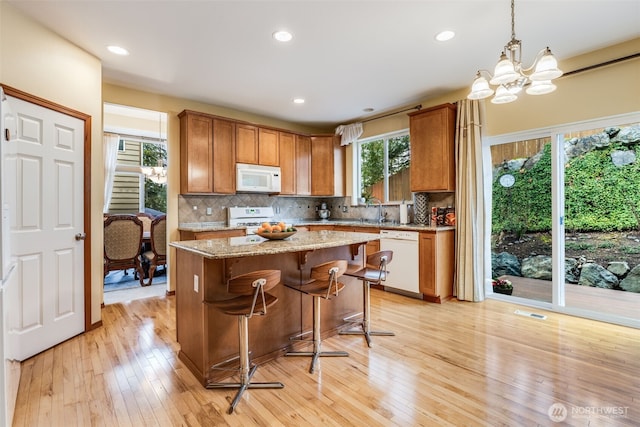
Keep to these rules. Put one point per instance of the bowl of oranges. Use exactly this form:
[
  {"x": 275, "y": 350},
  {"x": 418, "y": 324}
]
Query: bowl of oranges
[{"x": 278, "y": 231}]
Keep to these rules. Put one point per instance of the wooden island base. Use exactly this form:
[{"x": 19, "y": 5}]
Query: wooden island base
[{"x": 208, "y": 337}]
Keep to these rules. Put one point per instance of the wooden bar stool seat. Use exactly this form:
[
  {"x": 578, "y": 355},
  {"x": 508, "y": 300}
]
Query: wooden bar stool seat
[
  {"x": 252, "y": 300},
  {"x": 374, "y": 273},
  {"x": 324, "y": 284}
]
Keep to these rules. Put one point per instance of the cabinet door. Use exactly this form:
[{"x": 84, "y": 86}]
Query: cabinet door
[
  {"x": 313, "y": 227},
  {"x": 196, "y": 154},
  {"x": 322, "y": 179},
  {"x": 287, "y": 163},
  {"x": 437, "y": 265},
  {"x": 268, "y": 147},
  {"x": 432, "y": 133},
  {"x": 428, "y": 265},
  {"x": 224, "y": 165},
  {"x": 246, "y": 144},
  {"x": 303, "y": 165}
]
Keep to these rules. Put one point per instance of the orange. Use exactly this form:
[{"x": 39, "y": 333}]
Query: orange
[
  {"x": 266, "y": 225},
  {"x": 275, "y": 229},
  {"x": 282, "y": 226}
]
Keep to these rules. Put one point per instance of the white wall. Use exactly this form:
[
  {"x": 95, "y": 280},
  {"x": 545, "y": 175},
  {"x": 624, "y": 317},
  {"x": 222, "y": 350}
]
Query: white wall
[{"x": 37, "y": 61}]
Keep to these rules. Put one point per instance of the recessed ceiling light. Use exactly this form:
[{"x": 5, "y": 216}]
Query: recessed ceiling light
[
  {"x": 298, "y": 100},
  {"x": 282, "y": 36},
  {"x": 445, "y": 35},
  {"x": 118, "y": 50},
  {"x": 367, "y": 110}
]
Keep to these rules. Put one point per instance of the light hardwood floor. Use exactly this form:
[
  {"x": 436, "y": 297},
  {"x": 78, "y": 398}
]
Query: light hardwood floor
[{"x": 455, "y": 364}]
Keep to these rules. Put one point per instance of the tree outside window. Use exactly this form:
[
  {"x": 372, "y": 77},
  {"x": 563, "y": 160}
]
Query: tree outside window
[
  {"x": 155, "y": 195},
  {"x": 384, "y": 165}
]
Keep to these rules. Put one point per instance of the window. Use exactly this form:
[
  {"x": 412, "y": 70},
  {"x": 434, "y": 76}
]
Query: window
[{"x": 383, "y": 166}]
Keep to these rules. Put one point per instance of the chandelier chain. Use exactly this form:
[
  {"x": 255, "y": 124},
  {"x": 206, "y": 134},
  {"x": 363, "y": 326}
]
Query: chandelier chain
[{"x": 513, "y": 20}]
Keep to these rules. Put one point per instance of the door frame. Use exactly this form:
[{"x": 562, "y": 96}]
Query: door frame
[{"x": 16, "y": 93}]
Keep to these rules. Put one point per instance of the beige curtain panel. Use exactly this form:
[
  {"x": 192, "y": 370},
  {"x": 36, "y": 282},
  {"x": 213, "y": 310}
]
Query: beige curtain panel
[{"x": 470, "y": 209}]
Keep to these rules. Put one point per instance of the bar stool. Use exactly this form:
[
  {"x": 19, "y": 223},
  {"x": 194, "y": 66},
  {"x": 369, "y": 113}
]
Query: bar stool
[
  {"x": 324, "y": 285},
  {"x": 251, "y": 287},
  {"x": 374, "y": 273}
]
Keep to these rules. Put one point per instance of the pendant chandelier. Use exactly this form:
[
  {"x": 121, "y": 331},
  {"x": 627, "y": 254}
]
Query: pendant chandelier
[
  {"x": 509, "y": 76},
  {"x": 157, "y": 174}
]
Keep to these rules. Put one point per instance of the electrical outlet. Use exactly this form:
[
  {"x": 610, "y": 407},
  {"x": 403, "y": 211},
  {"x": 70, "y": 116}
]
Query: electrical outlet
[
  {"x": 195, "y": 208},
  {"x": 209, "y": 211},
  {"x": 196, "y": 283}
]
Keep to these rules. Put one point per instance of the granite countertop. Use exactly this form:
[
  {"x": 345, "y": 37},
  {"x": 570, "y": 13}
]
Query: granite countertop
[
  {"x": 233, "y": 247},
  {"x": 197, "y": 227}
]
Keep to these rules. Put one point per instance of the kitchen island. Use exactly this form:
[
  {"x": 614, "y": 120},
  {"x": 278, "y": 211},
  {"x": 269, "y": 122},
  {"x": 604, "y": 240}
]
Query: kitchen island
[{"x": 208, "y": 337}]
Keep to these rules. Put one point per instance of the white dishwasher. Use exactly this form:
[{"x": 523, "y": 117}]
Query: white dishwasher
[{"x": 403, "y": 268}]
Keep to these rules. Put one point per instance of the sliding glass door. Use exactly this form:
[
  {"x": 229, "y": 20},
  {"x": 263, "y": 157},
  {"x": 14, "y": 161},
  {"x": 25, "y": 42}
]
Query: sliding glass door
[
  {"x": 565, "y": 217},
  {"x": 521, "y": 241}
]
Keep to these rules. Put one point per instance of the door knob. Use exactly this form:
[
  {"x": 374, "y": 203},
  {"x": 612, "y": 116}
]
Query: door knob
[{"x": 81, "y": 236}]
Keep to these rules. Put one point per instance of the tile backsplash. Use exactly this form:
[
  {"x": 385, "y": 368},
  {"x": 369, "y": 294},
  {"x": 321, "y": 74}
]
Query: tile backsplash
[{"x": 204, "y": 208}]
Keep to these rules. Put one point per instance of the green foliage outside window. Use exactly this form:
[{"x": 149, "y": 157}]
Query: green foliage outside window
[
  {"x": 372, "y": 160},
  {"x": 598, "y": 195},
  {"x": 155, "y": 195}
]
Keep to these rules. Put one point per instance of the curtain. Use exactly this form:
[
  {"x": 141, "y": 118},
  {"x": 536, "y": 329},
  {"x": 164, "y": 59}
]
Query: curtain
[
  {"x": 110, "y": 153},
  {"x": 350, "y": 133},
  {"x": 470, "y": 209}
]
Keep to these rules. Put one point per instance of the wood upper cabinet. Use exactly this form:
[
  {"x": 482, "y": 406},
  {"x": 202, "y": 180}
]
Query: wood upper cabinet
[
  {"x": 256, "y": 145},
  {"x": 437, "y": 254},
  {"x": 322, "y": 166},
  {"x": 432, "y": 133},
  {"x": 287, "y": 142},
  {"x": 303, "y": 165},
  {"x": 196, "y": 153},
  {"x": 246, "y": 144},
  {"x": 268, "y": 147},
  {"x": 224, "y": 149}
]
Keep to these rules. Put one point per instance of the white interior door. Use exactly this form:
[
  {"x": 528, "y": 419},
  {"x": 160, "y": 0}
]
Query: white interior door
[{"x": 44, "y": 189}]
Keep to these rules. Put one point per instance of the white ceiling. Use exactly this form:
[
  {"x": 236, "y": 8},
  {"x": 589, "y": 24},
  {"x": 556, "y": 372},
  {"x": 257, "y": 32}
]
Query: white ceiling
[{"x": 345, "y": 56}]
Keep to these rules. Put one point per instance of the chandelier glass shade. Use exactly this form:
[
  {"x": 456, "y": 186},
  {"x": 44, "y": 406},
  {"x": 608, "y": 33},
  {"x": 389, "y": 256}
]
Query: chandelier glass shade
[
  {"x": 510, "y": 77},
  {"x": 157, "y": 174}
]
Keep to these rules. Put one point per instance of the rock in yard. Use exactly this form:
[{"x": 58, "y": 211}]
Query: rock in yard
[
  {"x": 571, "y": 270},
  {"x": 537, "y": 267},
  {"x": 597, "y": 276},
  {"x": 631, "y": 283},
  {"x": 505, "y": 263},
  {"x": 619, "y": 268}
]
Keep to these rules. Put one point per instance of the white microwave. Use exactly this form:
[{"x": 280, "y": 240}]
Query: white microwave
[{"x": 257, "y": 178}]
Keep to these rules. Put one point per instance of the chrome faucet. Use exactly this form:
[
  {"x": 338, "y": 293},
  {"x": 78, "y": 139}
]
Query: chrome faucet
[{"x": 381, "y": 218}]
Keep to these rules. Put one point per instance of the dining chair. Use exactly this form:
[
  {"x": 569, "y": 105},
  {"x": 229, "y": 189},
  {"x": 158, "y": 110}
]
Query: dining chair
[
  {"x": 122, "y": 243},
  {"x": 158, "y": 253}
]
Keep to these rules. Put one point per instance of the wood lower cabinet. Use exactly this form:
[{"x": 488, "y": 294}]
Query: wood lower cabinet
[
  {"x": 287, "y": 142},
  {"x": 217, "y": 234},
  {"x": 372, "y": 246},
  {"x": 303, "y": 165},
  {"x": 432, "y": 133},
  {"x": 437, "y": 257}
]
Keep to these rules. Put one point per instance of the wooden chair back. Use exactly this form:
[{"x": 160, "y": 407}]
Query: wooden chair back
[
  {"x": 122, "y": 242},
  {"x": 159, "y": 236},
  {"x": 329, "y": 273}
]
